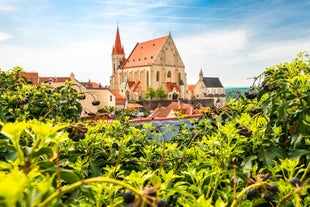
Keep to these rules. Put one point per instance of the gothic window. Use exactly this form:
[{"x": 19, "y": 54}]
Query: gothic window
[
  {"x": 179, "y": 77},
  {"x": 157, "y": 76},
  {"x": 169, "y": 74},
  {"x": 147, "y": 78},
  {"x": 111, "y": 98}
]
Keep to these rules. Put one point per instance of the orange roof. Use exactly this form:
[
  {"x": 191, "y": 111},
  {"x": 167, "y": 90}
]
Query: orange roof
[
  {"x": 90, "y": 84},
  {"x": 162, "y": 111},
  {"x": 145, "y": 52},
  {"x": 171, "y": 86},
  {"x": 119, "y": 99},
  {"x": 134, "y": 106},
  {"x": 118, "y": 49},
  {"x": 130, "y": 83},
  {"x": 191, "y": 87},
  {"x": 137, "y": 87},
  {"x": 54, "y": 79},
  {"x": 32, "y": 77}
]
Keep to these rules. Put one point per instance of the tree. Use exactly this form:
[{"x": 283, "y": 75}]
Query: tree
[
  {"x": 21, "y": 101},
  {"x": 161, "y": 93},
  {"x": 150, "y": 93}
]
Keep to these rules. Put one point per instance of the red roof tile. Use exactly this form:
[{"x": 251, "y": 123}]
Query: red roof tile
[
  {"x": 145, "y": 52},
  {"x": 191, "y": 87},
  {"x": 32, "y": 77},
  {"x": 119, "y": 99},
  {"x": 171, "y": 86},
  {"x": 90, "y": 84},
  {"x": 54, "y": 79},
  {"x": 137, "y": 87},
  {"x": 118, "y": 49}
]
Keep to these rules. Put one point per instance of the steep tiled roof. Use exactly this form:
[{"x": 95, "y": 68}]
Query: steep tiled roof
[
  {"x": 119, "y": 99},
  {"x": 32, "y": 77},
  {"x": 90, "y": 84},
  {"x": 191, "y": 87},
  {"x": 211, "y": 82},
  {"x": 145, "y": 52},
  {"x": 54, "y": 79},
  {"x": 137, "y": 87},
  {"x": 162, "y": 111},
  {"x": 171, "y": 86},
  {"x": 118, "y": 49},
  {"x": 131, "y": 83}
]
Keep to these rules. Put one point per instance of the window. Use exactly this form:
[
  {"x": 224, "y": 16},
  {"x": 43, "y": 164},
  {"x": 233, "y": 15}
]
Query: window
[
  {"x": 111, "y": 98},
  {"x": 147, "y": 78},
  {"x": 169, "y": 74},
  {"x": 157, "y": 76},
  {"x": 179, "y": 77}
]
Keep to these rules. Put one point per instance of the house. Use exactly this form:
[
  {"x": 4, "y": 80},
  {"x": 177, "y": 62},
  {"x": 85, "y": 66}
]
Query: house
[
  {"x": 92, "y": 90},
  {"x": 208, "y": 88},
  {"x": 175, "y": 109}
]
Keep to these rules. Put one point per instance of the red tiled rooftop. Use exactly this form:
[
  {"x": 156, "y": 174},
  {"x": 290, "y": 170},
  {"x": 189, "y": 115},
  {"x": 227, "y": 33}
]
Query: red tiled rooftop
[
  {"x": 119, "y": 99},
  {"x": 90, "y": 84},
  {"x": 54, "y": 79},
  {"x": 171, "y": 86},
  {"x": 144, "y": 52},
  {"x": 191, "y": 87}
]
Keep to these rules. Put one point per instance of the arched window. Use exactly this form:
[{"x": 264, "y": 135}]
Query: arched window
[
  {"x": 157, "y": 76},
  {"x": 147, "y": 78},
  {"x": 179, "y": 77},
  {"x": 169, "y": 74}
]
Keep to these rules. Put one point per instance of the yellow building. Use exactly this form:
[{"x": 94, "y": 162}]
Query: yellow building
[{"x": 155, "y": 63}]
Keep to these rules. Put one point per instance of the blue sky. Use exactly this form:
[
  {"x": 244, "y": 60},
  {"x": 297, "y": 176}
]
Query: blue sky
[{"x": 233, "y": 40}]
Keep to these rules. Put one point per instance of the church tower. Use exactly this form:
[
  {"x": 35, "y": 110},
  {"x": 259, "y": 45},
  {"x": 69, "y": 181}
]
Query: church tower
[{"x": 118, "y": 58}]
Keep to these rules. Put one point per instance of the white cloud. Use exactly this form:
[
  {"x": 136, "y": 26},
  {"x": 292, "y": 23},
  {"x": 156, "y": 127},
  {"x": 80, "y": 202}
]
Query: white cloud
[
  {"x": 4, "y": 36},
  {"x": 6, "y": 6}
]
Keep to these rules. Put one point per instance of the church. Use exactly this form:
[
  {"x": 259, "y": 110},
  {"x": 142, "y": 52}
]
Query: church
[{"x": 157, "y": 63}]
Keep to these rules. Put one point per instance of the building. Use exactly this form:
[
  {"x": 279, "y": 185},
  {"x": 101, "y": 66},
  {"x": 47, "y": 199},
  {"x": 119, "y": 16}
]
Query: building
[
  {"x": 92, "y": 90},
  {"x": 155, "y": 63},
  {"x": 208, "y": 88}
]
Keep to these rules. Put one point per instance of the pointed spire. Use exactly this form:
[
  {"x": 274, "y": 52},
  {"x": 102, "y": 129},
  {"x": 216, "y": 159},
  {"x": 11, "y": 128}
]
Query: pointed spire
[
  {"x": 201, "y": 75},
  {"x": 118, "y": 49}
]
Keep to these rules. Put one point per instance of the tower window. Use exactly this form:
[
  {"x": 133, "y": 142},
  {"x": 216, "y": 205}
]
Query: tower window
[
  {"x": 169, "y": 74},
  {"x": 157, "y": 76}
]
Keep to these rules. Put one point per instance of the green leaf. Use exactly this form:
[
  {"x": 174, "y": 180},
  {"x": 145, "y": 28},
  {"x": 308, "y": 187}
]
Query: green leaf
[
  {"x": 44, "y": 151},
  {"x": 220, "y": 203},
  {"x": 70, "y": 176},
  {"x": 297, "y": 153}
]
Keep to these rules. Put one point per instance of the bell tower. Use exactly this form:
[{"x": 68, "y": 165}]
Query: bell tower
[{"x": 118, "y": 58}]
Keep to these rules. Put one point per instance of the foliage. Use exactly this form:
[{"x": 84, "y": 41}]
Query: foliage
[
  {"x": 20, "y": 101},
  {"x": 150, "y": 93},
  {"x": 252, "y": 152},
  {"x": 161, "y": 93},
  {"x": 158, "y": 93}
]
